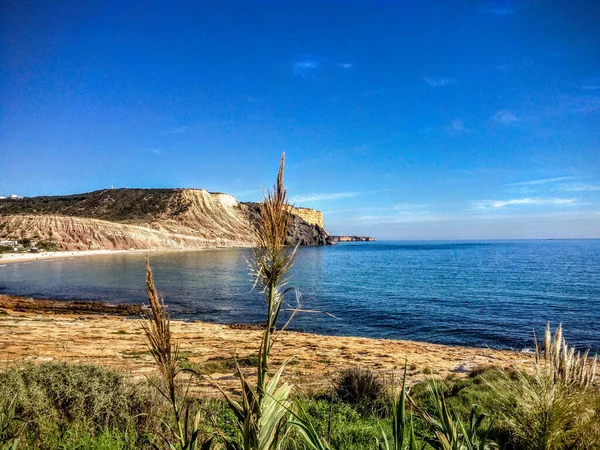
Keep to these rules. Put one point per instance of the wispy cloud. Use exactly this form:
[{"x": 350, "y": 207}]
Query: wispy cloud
[
  {"x": 542, "y": 181},
  {"x": 322, "y": 197},
  {"x": 581, "y": 188},
  {"x": 156, "y": 151},
  {"x": 496, "y": 204},
  {"x": 505, "y": 117},
  {"x": 592, "y": 84},
  {"x": 410, "y": 206},
  {"x": 585, "y": 103},
  {"x": 346, "y": 65},
  {"x": 307, "y": 66},
  {"x": 438, "y": 82}
]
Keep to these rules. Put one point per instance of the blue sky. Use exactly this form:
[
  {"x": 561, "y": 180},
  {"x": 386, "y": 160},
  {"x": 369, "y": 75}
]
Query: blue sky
[{"x": 399, "y": 119}]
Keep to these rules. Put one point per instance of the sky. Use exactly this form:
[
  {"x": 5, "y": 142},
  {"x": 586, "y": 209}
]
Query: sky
[{"x": 399, "y": 119}]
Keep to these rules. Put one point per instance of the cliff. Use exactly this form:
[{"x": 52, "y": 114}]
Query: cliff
[
  {"x": 310, "y": 215},
  {"x": 158, "y": 219}
]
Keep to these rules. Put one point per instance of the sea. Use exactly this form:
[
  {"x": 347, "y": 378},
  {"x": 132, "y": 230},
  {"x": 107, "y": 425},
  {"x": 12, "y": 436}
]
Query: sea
[{"x": 472, "y": 293}]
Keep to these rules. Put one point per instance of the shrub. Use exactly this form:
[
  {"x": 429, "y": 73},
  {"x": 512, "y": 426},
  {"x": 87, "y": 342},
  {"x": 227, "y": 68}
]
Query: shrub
[
  {"x": 56, "y": 397},
  {"x": 48, "y": 246},
  {"x": 362, "y": 388},
  {"x": 557, "y": 407}
]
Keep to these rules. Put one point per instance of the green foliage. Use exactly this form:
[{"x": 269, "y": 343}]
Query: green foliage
[
  {"x": 54, "y": 398},
  {"x": 110, "y": 439},
  {"x": 48, "y": 246},
  {"x": 462, "y": 393},
  {"x": 11, "y": 426},
  {"x": 450, "y": 432},
  {"x": 557, "y": 406},
  {"x": 542, "y": 414},
  {"x": 399, "y": 423},
  {"x": 342, "y": 424}
]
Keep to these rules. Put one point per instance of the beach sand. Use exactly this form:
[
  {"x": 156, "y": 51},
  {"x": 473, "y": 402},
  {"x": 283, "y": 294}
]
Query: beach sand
[
  {"x": 26, "y": 257},
  {"x": 38, "y": 334}
]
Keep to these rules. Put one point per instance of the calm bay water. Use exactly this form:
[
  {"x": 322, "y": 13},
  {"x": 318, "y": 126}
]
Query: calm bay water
[{"x": 469, "y": 293}]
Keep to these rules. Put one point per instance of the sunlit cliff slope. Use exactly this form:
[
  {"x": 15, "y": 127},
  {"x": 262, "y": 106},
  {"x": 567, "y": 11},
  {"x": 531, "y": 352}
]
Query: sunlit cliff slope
[{"x": 159, "y": 219}]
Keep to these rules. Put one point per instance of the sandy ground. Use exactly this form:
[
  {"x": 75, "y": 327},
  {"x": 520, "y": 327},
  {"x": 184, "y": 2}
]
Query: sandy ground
[
  {"x": 118, "y": 342},
  {"x": 24, "y": 257}
]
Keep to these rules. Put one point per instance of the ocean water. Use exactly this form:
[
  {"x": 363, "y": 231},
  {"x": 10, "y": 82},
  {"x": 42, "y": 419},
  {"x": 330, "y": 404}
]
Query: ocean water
[{"x": 492, "y": 293}]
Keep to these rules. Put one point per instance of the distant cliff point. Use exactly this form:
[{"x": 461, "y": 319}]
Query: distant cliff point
[
  {"x": 352, "y": 239},
  {"x": 157, "y": 219}
]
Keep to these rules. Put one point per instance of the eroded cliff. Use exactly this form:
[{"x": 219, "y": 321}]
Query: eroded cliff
[{"x": 143, "y": 219}]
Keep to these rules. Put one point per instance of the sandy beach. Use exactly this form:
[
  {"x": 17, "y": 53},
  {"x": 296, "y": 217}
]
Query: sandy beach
[
  {"x": 26, "y": 257},
  {"x": 38, "y": 334}
]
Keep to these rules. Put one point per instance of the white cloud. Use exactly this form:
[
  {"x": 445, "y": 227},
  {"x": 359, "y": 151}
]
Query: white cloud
[
  {"x": 346, "y": 65},
  {"x": 322, "y": 197},
  {"x": 438, "y": 82},
  {"x": 307, "y": 64},
  {"x": 156, "y": 151},
  {"x": 496, "y": 204},
  {"x": 505, "y": 117}
]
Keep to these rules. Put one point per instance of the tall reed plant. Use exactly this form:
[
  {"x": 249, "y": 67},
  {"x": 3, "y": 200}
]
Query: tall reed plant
[
  {"x": 264, "y": 410},
  {"x": 400, "y": 422},
  {"x": 184, "y": 429},
  {"x": 559, "y": 361},
  {"x": 557, "y": 406}
]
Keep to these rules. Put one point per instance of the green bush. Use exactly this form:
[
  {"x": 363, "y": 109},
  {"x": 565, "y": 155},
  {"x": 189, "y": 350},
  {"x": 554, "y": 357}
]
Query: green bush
[
  {"x": 59, "y": 399},
  {"x": 348, "y": 428},
  {"x": 47, "y": 246}
]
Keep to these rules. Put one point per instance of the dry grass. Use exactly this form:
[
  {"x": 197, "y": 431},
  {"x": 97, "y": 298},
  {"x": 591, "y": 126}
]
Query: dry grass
[
  {"x": 561, "y": 363},
  {"x": 557, "y": 407}
]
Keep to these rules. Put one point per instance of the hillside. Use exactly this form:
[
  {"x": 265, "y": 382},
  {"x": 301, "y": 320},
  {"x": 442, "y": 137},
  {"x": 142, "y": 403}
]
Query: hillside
[{"x": 159, "y": 219}]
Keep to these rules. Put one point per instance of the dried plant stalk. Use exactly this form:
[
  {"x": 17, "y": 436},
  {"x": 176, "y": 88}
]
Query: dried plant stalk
[{"x": 562, "y": 363}]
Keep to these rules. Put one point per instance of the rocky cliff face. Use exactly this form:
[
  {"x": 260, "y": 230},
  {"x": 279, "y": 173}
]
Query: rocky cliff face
[
  {"x": 143, "y": 219},
  {"x": 300, "y": 231},
  {"x": 310, "y": 215}
]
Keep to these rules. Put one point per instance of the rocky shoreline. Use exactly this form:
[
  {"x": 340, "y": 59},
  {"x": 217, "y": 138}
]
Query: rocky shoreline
[{"x": 352, "y": 239}]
